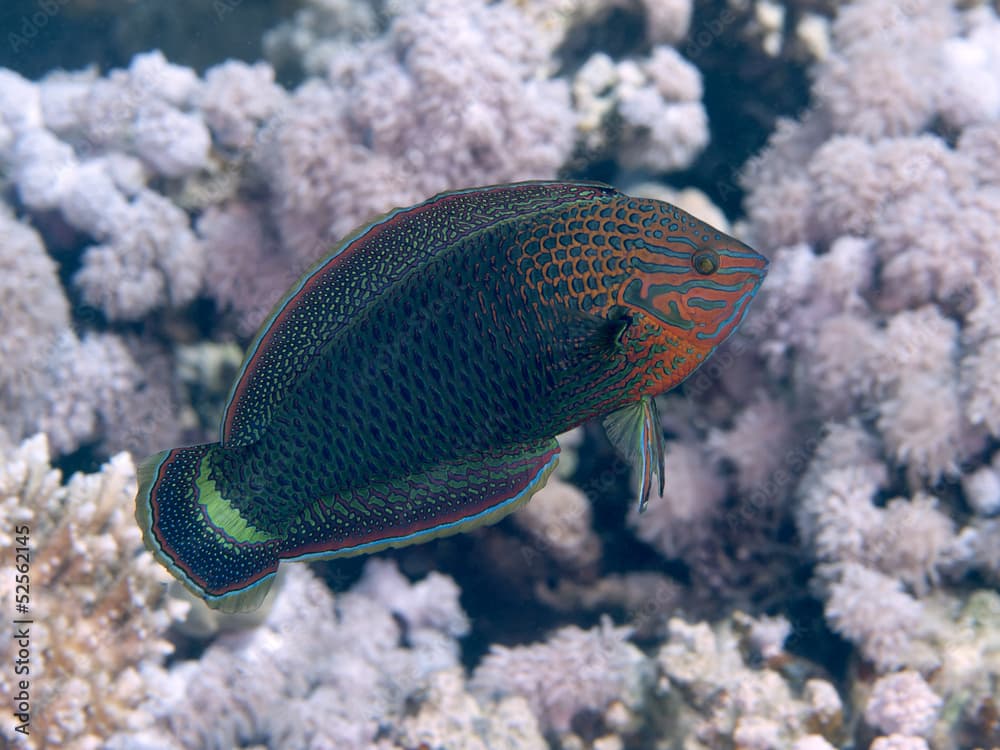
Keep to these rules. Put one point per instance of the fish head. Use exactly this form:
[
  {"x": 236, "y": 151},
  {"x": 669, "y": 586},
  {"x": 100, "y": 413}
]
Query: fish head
[{"x": 689, "y": 284}]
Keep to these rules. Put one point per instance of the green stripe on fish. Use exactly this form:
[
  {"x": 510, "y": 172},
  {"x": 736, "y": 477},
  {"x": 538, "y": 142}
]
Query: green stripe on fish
[{"x": 411, "y": 383}]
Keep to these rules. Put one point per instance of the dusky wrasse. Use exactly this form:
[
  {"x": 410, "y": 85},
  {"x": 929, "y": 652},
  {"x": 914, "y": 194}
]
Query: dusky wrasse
[{"x": 411, "y": 383}]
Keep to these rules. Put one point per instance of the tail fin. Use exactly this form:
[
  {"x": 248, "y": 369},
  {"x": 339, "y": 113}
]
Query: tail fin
[{"x": 198, "y": 535}]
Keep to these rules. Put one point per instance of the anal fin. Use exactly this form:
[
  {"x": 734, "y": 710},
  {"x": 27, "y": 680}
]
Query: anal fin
[
  {"x": 636, "y": 432},
  {"x": 446, "y": 499}
]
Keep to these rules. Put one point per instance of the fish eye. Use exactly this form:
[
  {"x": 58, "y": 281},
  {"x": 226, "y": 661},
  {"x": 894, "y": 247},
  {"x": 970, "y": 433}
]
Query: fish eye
[{"x": 705, "y": 261}]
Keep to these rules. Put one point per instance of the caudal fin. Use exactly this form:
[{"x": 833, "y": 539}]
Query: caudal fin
[{"x": 198, "y": 535}]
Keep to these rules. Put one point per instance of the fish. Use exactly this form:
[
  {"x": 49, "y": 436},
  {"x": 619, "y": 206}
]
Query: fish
[{"x": 411, "y": 384}]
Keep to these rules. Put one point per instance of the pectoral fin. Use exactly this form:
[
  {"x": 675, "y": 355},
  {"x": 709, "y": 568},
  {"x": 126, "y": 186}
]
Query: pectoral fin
[
  {"x": 636, "y": 432},
  {"x": 576, "y": 334}
]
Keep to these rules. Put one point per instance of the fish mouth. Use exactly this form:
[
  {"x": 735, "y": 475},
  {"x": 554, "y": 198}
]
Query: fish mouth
[
  {"x": 748, "y": 261},
  {"x": 765, "y": 264}
]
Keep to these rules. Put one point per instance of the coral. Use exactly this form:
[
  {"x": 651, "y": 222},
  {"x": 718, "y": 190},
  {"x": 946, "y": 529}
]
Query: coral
[
  {"x": 692, "y": 498},
  {"x": 720, "y": 700},
  {"x": 871, "y": 610},
  {"x": 321, "y": 671},
  {"x": 981, "y": 145},
  {"x": 152, "y": 256},
  {"x": 645, "y": 597},
  {"x": 646, "y": 111},
  {"x": 76, "y": 390},
  {"x": 406, "y": 130},
  {"x": 981, "y": 384},
  {"x": 756, "y": 445},
  {"x": 36, "y": 316},
  {"x": 899, "y": 742},
  {"x": 667, "y": 20},
  {"x": 914, "y": 541},
  {"x": 661, "y": 21},
  {"x": 151, "y": 97},
  {"x": 765, "y": 635},
  {"x": 960, "y": 659},
  {"x": 663, "y": 121},
  {"x": 972, "y": 91},
  {"x": 605, "y": 668},
  {"x": 74, "y": 158},
  {"x": 431, "y": 603},
  {"x": 246, "y": 270},
  {"x": 449, "y": 717},
  {"x": 558, "y": 519},
  {"x": 902, "y": 703},
  {"x": 847, "y": 435},
  {"x": 977, "y": 547},
  {"x": 319, "y": 31},
  {"x": 908, "y": 539},
  {"x": 237, "y": 99},
  {"x": 878, "y": 206},
  {"x": 97, "y": 606},
  {"x": 206, "y": 370},
  {"x": 172, "y": 142},
  {"x": 811, "y": 742},
  {"x": 873, "y": 94},
  {"x": 982, "y": 490}
]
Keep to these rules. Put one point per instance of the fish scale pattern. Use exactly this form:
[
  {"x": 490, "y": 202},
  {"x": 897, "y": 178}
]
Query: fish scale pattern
[
  {"x": 378, "y": 515},
  {"x": 412, "y": 383},
  {"x": 330, "y": 297}
]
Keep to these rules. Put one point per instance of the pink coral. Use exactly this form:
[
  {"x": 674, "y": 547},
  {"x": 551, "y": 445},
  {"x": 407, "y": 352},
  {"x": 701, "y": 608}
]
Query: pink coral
[
  {"x": 237, "y": 99},
  {"x": 245, "y": 271},
  {"x": 76, "y": 390},
  {"x": 840, "y": 385},
  {"x": 757, "y": 444},
  {"x": 899, "y": 742},
  {"x": 320, "y": 671},
  {"x": 559, "y": 519},
  {"x": 902, "y": 703},
  {"x": 913, "y": 541},
  {"x": 981, "y": 145},
  {"x": 981, "y": 385},
  {"x": 691, "y": 501},
  {"x": 928, "y": 441},
  {"x": 398, "y": 121},
  {"x": 874, "y": 612},
  {"x": 573, "y": 671},
  {"x": 151, "y": 257},
  {"x": 875, "y": 82}
]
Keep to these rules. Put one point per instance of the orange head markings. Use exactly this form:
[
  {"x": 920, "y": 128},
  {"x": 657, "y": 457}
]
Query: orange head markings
[{"x": 688, "y": 284}]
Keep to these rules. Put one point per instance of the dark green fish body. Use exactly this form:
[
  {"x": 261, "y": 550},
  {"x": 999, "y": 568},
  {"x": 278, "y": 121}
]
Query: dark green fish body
[{"x": 411, "y": 384}]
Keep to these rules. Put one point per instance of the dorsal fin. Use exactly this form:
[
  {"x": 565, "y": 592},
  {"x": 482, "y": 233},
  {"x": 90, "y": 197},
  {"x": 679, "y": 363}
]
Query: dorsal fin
[{"x": 357, "y": 272}]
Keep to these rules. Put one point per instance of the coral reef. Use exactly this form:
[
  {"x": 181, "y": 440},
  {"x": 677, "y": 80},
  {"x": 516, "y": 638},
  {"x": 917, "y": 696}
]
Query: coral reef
[
  {"x": 902, "y": 703},
  {"x": 606, "y": 670},
  {"x": 407, "y": 130},
  {"x": 877, "y": 345},
  {"x": 75, "y": 389},
  {"x": 721, "y": 700},
  {"x": 324, "y": 671},
  {"x": 834, "y": 469},
  {"x": 97, "y": 608},
  {"x": 647, "y": 113},
  {"x": 558, "y": 519}
]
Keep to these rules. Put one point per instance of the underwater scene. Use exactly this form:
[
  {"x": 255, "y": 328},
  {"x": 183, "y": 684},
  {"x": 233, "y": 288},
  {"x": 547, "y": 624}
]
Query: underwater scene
[{"x": 500, "y": 374}]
